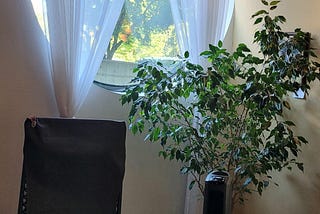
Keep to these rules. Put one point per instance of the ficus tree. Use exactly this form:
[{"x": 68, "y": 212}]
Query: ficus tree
[{"x": 228, "y": 116}]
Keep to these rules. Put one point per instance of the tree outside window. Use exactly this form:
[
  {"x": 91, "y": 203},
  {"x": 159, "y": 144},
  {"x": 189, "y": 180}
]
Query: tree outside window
[{"x": 145, "y": 29}]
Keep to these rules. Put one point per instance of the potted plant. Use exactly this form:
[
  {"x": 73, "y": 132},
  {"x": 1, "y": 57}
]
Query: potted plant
[{"x": 228, "y": 116}]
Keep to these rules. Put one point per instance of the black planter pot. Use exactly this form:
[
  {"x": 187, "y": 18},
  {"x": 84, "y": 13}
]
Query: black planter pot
[{"x": 216, "y": 193}]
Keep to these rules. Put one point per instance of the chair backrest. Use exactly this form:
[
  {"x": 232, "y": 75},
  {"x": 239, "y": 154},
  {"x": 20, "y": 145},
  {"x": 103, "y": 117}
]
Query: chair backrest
[{"x": 72, "y": 166}]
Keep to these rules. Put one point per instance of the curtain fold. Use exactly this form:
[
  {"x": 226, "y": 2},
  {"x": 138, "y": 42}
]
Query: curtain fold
[
  {"x": 78, "y": 33},
  {"x": 198, "y": 24}
]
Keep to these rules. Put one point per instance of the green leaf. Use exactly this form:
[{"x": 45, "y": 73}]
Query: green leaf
[
  {"x": 163, "y": 154},
  {"x": 134, "y": 128},
  {"x": 316, "y": 64},
  {"x": 260, "y": 188},
  {"x": 313, "y": 54},
  {"x": 191, "y": 184},
  {"x": 178, "y": 155},
  {"x": 265, "y": 2},
  {"x": 146, "y": 137},
  {"x": 213, "y": 48},
  {"x": 273, "y": 7},
  {"x": 282, "y": 19},
  {"x": 134, "y": 95},
  {"x": 300, "y": 166},
  {"x": 206, "y": 53},
  {"x": 274, "y": 3},
  {"x": 186, "y": 54},
  {"x": 258, "y": 20},
  {"x": 166, "y": 117},
  {"x": 294, "y": 152},
  {"x": 220, "y": 44},
  {"x": 289, "y": 123},
  {"x": 260, "y": 12},
  {"x": 184, "y": 170},
  {"x": 123, "y": 99},
  {"x": 302, "y": 139},
  {"x": 243, "y": 47}
]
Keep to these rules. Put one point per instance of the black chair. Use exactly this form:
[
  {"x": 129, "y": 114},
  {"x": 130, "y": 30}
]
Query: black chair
[{"x": 72, "y": 166}]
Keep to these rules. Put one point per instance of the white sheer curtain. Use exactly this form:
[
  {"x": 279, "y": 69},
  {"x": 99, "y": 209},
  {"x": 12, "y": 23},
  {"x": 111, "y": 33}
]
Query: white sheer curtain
[
  {"x": 79, "y": 32},
  {"x": 199, "y": 23}
]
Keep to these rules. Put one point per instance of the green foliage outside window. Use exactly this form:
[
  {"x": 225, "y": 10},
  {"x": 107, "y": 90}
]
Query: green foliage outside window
[{"x": 145, "y": 29}]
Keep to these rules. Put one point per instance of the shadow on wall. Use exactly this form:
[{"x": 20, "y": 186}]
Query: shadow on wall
[
  {"x": 306, "y": 115},
  {"x": 297, "y": 192},
  {"x": 307, "y": 190}
]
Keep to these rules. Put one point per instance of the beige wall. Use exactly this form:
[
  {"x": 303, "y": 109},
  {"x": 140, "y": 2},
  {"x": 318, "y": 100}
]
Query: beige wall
[
  {"x": 24, "y": 90},
  {"x": 298, "y": 193}
]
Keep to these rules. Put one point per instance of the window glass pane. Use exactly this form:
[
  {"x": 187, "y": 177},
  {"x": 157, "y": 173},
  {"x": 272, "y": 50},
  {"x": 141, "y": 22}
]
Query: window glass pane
[{"x": 144, "y": 30}]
